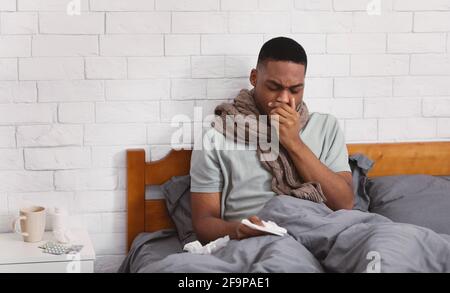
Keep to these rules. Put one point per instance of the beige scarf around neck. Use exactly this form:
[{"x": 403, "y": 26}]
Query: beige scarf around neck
[{"x": 285, "y": 179}]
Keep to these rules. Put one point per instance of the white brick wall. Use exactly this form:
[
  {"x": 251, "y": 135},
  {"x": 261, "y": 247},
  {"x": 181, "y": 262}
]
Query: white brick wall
[
  {"x": 396, "y": 129},
  {"x": 387, "y": 107},
  {"x": 13, "y": 181},
  {"x": 123, "y": 112},
  {"x": 56, "y": 68},
  {"x": 131, "y": 45},
  {"x": 137, "y": 22},
  {"x": 7, "y": 137},
  {"x": 354, "y": 87},
  {"x": 231, "y": 45},
  {"x": 19, "y": 23},
  {"x": 47, "y": 5},
  {"x": 8, "y": 5},
  {"x": 187, "y": 5},
  {"x": 418, "y": 5},
  {"x": 76, "y": 113},
  {"x": 137, "y": 89},
  {"x": 82, "y": 180},
  {"x": 71, "y": 91},
  {"x": 119, "y": 5},
  {"x": 65, "y": 46},
  {"x": 416, "y": 43},
  {"x": 49, "y": 135},
  {"x": 321, "y": 22},
  {"x": 238, "y": 5},
  {"x": 106, "y": 68},
  {"x": 436, "y": 107},
  {"x": 194, "y": 22},
  {"x": 208, "y": 66},
  {"x": 15, "y": 46},
  {"x": 27, "y": 113},
  {"x": 57, "y": 158},
  {"x": 430, "y": 64},
  {"x": 111, "y": 156},
  {"x": 182, "y": 45},
  {"x": 11, "y": 159},
  {"x": 61, "y": 23},
  {"x": 356, "y": 43},
  {"x": 431, "y": 21},
  {"x": 18, "y": 92},
  {"x": 104, "y": 134},
  {"x": 8, "y": 69},
  {"x": 159, "y": 67},
  {"x": 380, "y": 65},
  {"x": 77, "y": 91}
]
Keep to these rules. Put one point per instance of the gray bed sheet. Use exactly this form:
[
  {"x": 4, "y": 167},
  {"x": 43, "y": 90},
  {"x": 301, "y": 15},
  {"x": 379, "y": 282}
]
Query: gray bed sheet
[{"x": 318, "y": 240}]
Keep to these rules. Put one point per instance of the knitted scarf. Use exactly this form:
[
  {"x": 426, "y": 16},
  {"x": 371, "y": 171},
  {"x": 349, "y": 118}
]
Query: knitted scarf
[{"x": 285, "y": 179}]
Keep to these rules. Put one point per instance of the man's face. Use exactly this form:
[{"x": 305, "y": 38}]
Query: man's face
[{"x": 278, "y": 81}]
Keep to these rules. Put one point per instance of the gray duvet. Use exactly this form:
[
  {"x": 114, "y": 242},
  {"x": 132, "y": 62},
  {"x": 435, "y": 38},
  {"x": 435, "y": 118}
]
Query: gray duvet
[{"x": 318, "y": 240}]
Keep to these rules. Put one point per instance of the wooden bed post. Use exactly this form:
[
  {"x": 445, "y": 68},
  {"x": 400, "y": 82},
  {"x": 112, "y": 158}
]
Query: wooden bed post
[{"x": 135, "y": 194}]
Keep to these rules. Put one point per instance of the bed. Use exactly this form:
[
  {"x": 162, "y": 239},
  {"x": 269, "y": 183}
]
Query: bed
[{"x": 151, "y": 216}]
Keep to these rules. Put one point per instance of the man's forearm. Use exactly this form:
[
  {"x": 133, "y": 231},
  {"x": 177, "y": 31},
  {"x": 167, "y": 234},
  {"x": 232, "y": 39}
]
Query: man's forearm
[
  {"x": 338, "y": 193},
  {"x": 210, "y": 229}
]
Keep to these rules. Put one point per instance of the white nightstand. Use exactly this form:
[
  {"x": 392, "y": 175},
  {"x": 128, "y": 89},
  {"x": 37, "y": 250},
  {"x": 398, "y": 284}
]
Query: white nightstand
[{"x": 17, "y": 256}]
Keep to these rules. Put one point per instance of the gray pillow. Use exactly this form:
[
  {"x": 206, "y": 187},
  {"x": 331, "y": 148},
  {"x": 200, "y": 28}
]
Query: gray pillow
[
  {"x": 415, "y": 199},
  {"x": 360, "y": 166},
  {"x": 178, "y": 200}
]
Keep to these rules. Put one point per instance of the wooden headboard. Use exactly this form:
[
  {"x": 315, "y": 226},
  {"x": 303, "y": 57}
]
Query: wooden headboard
[{"x": 432, "y": 158}]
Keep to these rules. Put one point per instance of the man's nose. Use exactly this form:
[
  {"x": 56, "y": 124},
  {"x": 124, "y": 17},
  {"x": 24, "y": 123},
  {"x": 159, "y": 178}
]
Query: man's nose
[{"x": 284, "y": 97}]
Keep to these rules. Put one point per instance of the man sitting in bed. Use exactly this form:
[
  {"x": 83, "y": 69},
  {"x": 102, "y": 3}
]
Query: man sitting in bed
[{"x": 230, "y": 185}]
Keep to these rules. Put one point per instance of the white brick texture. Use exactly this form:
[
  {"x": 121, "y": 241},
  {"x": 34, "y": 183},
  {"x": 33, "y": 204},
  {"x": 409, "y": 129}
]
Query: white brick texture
[
  {"x": 11, "y": 159},
  {"x": 18, "y": 92},
  {"x": 131, "y": 45},
  {"x": 27, "y": 113},
  {"x": 97, "y": 134},
  {"x": 194, "y": 22},
  {"x": 49, "y": 135},
  {"x": 119, "y": 5},
  {"x": 137, "y": 22},
  {"x": 8, "y": 5},
  {"x": 48, "y": 5},
  {"x": 25, "y": 23},
  {"x": 56, "y": 68},
  {"x": 76, "y": 113},
  {"x": 15, "y": 46},
  {"x": 81, "y": 180},
  {"x": 65, "y": 46},
  {"x": 35, "y": 181},
  {"x": 106, "y": 68},
  {"x": 57, "y": 158},
  {"x": 123, "y": 112},
  {"x": 62, "y": 23},
  {"x": 7, "y": 137},
  {"x": 71, "y": 91}
]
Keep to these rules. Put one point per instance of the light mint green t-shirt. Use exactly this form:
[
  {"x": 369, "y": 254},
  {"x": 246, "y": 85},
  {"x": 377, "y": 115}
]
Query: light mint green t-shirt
[{"x": 245, "y": 185}]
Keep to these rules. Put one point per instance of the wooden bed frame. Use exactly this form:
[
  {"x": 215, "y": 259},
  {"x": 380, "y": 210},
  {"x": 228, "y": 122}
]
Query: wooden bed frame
[{"x": 432, "y": 158}]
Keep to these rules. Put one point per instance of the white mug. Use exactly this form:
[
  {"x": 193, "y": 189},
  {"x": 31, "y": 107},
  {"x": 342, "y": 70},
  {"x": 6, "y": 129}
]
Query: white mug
[{"x": 32, "y": 223}]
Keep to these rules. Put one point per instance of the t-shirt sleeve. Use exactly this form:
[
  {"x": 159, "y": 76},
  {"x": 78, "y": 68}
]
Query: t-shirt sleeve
[
  {"x": 206, "y": 174},
  {"x": 337, "y": 156}
]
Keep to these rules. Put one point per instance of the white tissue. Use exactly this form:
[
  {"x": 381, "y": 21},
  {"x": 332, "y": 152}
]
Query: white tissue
[
  {"x": 269, "y": 227},
  {"x": 196, "y": 247},
  {"x": 61, "y": 231}
]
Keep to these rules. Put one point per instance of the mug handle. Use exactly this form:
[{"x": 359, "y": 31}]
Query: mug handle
[{"x": 15, "y": 226}]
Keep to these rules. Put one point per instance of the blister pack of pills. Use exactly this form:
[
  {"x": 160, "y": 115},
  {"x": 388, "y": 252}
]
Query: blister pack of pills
[{"x": 58, "y": 249}]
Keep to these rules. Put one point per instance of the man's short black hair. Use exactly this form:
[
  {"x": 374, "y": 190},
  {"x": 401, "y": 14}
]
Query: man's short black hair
[{"x": 283, "y": 49}]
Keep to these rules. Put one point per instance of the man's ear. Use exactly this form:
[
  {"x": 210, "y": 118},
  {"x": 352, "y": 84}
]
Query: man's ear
[{"x": 253, "y": 77}]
